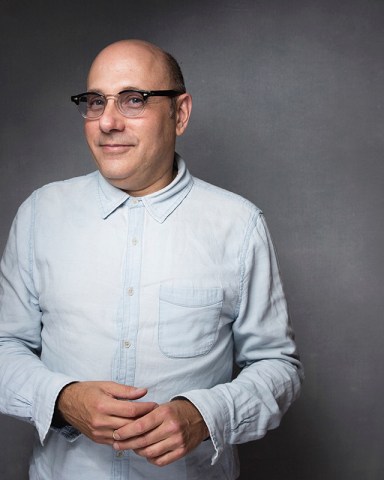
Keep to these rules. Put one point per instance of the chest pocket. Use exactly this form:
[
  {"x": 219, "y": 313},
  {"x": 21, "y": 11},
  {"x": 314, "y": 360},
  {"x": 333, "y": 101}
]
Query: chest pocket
[{"x": 188, "y": 320}]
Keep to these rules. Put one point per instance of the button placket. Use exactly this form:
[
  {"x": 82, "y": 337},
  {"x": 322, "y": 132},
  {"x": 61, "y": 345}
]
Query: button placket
[{"x": 130, "y": 313}]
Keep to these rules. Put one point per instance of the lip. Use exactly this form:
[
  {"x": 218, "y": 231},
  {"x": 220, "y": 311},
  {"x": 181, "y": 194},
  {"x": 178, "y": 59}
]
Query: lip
[{"x": 115, "y": 147}]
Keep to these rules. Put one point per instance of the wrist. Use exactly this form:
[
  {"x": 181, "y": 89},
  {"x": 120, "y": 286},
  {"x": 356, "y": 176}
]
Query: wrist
[{"x": 58, "y": 419}]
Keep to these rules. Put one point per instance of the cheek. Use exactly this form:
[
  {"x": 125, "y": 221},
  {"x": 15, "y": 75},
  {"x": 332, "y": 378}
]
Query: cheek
[
  {"x": 90, "y": 132},
  {"x": 87, "y": 133},
  {"x": 163, "y": 132}
]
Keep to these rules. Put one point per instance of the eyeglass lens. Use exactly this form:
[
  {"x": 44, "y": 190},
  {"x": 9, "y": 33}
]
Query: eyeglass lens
[{"x": 130, "y": 104}]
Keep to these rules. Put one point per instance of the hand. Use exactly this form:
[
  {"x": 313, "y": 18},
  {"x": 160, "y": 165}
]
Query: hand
[
  {"x": 164, "y": 435},
  {"x": 97, "y": 409}
]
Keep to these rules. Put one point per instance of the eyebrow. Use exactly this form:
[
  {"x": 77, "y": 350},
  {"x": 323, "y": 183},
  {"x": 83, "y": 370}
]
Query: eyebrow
[{"x": 100, "y": 90}]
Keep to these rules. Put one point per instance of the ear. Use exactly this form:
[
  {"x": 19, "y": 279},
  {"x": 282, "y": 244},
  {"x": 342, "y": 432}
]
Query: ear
[{"x": 183, "y": 112}]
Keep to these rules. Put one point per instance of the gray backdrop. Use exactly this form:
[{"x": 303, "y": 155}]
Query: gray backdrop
[{"x": 289, "y": 112}]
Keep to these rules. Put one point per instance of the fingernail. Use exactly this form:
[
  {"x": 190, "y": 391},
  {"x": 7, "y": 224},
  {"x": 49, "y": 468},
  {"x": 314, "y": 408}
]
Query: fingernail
[{"x": 116, "y": 436}]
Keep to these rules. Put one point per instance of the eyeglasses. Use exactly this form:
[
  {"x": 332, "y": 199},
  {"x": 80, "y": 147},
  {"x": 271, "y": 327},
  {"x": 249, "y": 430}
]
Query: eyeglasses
[{"x": 130, "y": 103}]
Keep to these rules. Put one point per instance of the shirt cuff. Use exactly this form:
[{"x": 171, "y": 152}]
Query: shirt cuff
[
  {"x": 68, "y": 432},
  {"x": 45, "y": 408},
  {"x": 216, "y": 423}
]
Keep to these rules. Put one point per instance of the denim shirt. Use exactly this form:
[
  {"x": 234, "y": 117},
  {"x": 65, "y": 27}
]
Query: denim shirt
[{"x": 160, "y": 292}]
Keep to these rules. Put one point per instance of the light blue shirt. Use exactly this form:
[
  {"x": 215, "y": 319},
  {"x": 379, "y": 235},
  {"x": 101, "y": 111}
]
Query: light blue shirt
[{"x": 158, "y": 292}]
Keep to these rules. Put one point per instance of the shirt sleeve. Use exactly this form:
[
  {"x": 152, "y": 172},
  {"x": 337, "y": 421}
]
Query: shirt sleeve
[
  {"x": 271, "y": 373},
  {"x": 28, "y": 390}
]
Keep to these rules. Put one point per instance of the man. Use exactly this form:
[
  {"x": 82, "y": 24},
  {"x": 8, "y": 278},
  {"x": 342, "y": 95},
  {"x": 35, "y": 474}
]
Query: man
[{"x": 125, "y": 293}]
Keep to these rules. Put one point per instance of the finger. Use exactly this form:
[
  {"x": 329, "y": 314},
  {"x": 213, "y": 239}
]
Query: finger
[
  {"x": 153, "y": 446},
  {"x": 141, "y": 442},
  {"x": 128, "y": 409},
  {"x": 150, "y": 435},
  {"x": 140, "y": 426},
  {"x": 165, "y": 458},
  {"x": 124, "y": 392}
]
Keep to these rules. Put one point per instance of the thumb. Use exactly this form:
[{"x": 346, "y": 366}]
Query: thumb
[{"x": 126, "y": 392}]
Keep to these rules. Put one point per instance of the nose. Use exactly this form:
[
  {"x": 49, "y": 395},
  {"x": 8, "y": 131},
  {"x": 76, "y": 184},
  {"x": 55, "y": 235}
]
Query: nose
[{"x": 111, "y": 119}]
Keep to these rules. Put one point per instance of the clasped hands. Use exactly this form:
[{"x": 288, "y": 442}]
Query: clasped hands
[{"x": 106, "y": 413}]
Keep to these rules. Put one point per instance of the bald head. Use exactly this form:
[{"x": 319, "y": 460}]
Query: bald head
[
  {"x": 126, "y": 45},
  {"x": 160, "y": 65}
]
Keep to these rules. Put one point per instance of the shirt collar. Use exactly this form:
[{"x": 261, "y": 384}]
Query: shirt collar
[{"x": 159, "y": 204}]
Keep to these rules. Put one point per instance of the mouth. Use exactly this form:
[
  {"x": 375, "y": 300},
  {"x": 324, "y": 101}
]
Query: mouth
[{"x": 115, "y": 147}]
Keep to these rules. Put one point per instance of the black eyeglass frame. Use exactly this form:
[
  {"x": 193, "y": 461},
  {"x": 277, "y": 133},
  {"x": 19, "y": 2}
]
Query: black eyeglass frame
[{"x": 145, "y": 93}]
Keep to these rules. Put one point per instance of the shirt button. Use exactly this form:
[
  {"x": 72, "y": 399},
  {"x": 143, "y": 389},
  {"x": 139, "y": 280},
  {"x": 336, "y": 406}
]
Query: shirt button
[
  {"x": 127, "y": 343},
  {"x": 134, "y": 241},
  {"x": 119, "y": 454},
  {"x": 130, "y": 291},
  {"x": 135, "y": 201}
]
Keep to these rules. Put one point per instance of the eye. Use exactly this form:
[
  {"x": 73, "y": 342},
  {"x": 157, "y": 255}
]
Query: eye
[
  {"x": 131, "y": 101},
  {"x": 95, "y": 102}
]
